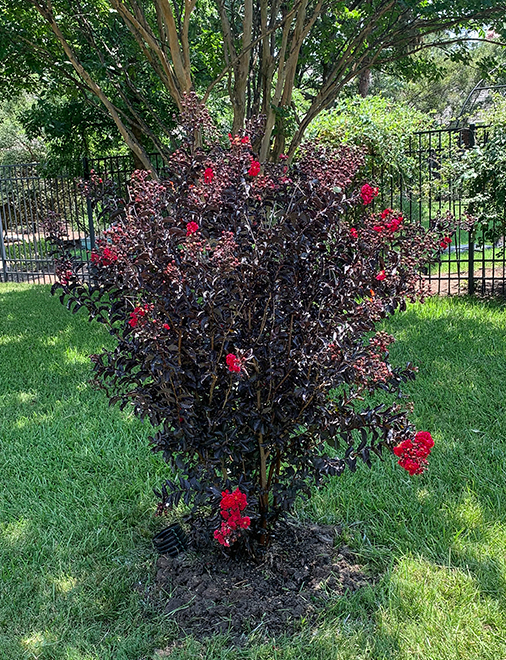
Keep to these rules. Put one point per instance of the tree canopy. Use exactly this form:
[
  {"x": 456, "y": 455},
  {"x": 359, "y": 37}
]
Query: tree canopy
[{"x": 135, "y": 60}]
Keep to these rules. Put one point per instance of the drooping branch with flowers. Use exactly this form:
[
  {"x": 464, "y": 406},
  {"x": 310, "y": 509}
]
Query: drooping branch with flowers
[{"x": 240, "y": 296}]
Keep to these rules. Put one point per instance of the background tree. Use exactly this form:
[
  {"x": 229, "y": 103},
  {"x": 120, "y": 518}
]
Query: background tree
[
  {"x": 444, "y": 78},
  {"x": 15, "y": 145},
  {"x": 136, "y": 59}
]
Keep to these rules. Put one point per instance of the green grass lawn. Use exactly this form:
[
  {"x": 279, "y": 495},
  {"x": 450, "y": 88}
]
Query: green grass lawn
[{"x": 76, "y": 512}]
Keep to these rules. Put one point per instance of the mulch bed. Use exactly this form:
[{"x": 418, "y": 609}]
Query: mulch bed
[{"x": 207, "y": 592}]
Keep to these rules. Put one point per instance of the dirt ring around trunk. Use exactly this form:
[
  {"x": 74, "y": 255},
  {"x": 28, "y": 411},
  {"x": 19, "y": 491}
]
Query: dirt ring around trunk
[{"x": 207, "y": 593}]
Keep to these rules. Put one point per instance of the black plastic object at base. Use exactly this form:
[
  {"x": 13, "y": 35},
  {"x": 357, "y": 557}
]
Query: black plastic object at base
[{"x": 171, "y": 540}]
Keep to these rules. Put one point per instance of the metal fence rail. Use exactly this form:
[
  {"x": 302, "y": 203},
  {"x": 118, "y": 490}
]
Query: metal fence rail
[
  {"x": 475, "y": 262},
  {"x": 25, "y": 198}
]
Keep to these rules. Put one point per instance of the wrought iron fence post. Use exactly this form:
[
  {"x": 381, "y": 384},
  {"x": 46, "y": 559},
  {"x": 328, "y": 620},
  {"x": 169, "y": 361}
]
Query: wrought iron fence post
[
  {"x": 470, "y": 254},
  {"x": 89, "y": 208},
  {"x": 470, "y": 263},
  {"x": 2, "y": 249},
  {"x": 472, "y": 135}
]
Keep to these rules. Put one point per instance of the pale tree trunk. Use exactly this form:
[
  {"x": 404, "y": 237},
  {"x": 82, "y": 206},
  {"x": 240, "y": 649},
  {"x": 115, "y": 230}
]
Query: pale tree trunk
[
  {"x": 242, "y": 70},
  {"x": 289, "y": 77},
  {"x": 278, "y": 90},
  {"x": 269, "y": 48},
  {"x": 287, "y": 69},
  {"x": 364, "y": 82},
  {"x": 240, "y": 64}
]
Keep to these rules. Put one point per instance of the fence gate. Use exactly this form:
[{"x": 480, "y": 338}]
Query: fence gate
[{"x": 475, "y": 261}]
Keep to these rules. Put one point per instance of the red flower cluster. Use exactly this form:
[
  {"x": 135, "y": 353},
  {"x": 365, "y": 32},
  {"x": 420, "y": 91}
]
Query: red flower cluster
[
  {"x": 381, "y": 275},
  {"x": 413, "y": 453},
  {"x": 137, "y": 317},
  {"x": 232, "y": 504},
  {"x": 353, "y": 232},
  {"x": 368, "y": 193},
  {"x": 106, "y": 258},
  {"x": 390, "y": 226},
  {"x": 208, "y": 175},
  {"x": 191, "y": 228},
  {"x": 233, "y": 363},
  {"x": 237, "y": 140},
  {"x": 395, "y": 224},
  {"x": 254, "y": 168},
  {"x": 445, "y": 242}
]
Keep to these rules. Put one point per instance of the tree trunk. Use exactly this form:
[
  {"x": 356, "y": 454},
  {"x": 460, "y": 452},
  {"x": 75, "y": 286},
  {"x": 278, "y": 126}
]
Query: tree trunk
[
  {"x": 364, "y": 83},
  {"x": 137, "y": 133}
]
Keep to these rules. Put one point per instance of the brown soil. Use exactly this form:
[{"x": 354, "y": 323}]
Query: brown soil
[{"x": 207, "y": 592}]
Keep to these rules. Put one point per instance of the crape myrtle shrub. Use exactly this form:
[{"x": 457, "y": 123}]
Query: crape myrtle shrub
[{"x": 239, "y": 295}]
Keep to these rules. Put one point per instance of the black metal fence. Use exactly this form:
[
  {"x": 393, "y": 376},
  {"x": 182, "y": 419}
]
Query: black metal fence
[
  {"x": 422, "y": 187},
  {"x": 425, "y": 187}
]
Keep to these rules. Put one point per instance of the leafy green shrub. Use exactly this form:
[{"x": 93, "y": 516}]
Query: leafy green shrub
[
  {"x": 380, "y": 125},
  {"x": 481, "y": 174}
]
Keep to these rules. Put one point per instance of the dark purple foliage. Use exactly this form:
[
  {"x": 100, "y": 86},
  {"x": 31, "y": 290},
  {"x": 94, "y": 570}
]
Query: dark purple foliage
[{"x": 238, "y": 302}]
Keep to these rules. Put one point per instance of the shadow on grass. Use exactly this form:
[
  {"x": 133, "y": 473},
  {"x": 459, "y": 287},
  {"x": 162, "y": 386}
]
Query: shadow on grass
[
  {"x": 440, "y": 539},
  {"x": 460, "y": 393}
]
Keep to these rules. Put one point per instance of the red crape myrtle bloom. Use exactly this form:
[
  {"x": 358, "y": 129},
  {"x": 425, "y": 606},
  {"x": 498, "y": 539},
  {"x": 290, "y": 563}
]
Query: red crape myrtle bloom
[
  {"x": 208, "y": 175},
  {"x": 368, "y": 193},
  {"x": 138, "y": 316},
  {"x": 254, "y": 168},
  {"x": 353, "y": 232},
  {"x": 104, "y": 258},
  {"x": 413, "y": 453},
  {"x": 395, "y": 224},
  {"x": 191, "y": 228},
  {"x": 232, "y": 505},
  {"x": 233, "y": 363},
  {"x": 392, "y": 226},
  {"x": 381, "y": 275}
]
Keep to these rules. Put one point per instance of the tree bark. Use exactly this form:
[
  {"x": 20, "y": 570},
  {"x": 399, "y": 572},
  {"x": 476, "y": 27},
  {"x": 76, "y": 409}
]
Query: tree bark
[
  {"x": 364, "y": 82},
  {"x": 385, "y": 32}
]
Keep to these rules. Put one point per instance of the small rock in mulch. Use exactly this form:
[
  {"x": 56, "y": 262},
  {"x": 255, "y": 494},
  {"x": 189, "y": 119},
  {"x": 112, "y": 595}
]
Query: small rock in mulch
[{"x": 206, "y": 592}]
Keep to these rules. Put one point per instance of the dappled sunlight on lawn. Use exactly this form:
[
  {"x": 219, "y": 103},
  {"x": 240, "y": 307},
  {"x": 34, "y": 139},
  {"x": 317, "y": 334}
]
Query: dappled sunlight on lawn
[
  {"x": 438, "y": 611},
  {"x": 455, "y": 515},
  {"x": 15, "y": 532},
  {"x": 77, "y": 516}
]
